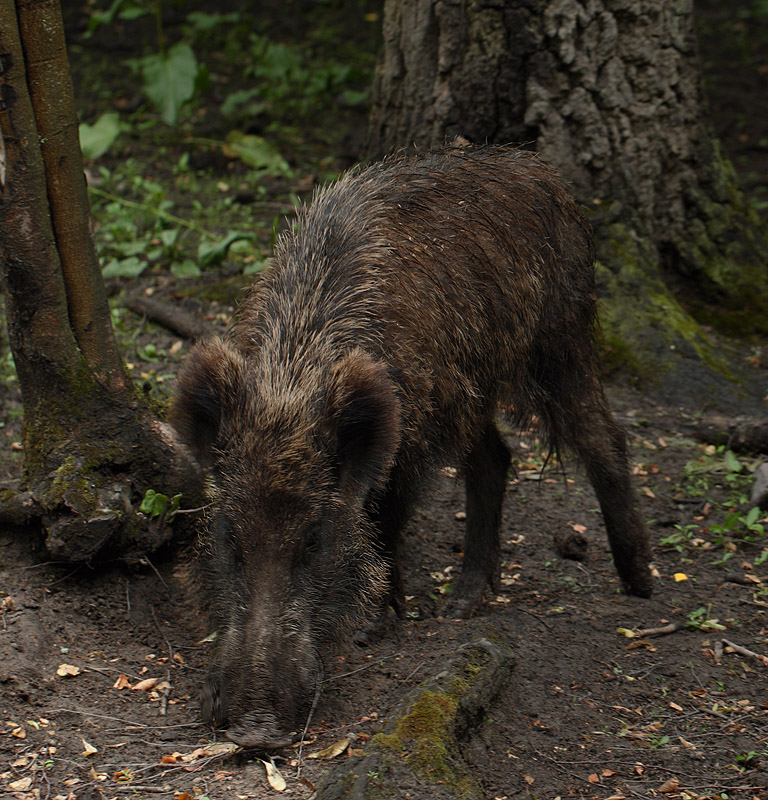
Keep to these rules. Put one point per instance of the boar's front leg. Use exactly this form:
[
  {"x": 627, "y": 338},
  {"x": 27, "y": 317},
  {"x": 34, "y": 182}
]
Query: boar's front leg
[
  {"x": 389, "y": 515},
  {"x": 486, "y": 478}
]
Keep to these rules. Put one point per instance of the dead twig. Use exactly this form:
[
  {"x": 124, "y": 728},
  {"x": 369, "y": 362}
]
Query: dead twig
[
  {"x": 299, "y": 758},
  {"x": 671, "y": 628},
  {"x": 171, "y": 317},
  {"x": 737, "y": 648}
]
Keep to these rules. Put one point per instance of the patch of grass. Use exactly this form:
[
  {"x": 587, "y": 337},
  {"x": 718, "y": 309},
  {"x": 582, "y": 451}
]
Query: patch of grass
[{"x": 725, "y": 525}]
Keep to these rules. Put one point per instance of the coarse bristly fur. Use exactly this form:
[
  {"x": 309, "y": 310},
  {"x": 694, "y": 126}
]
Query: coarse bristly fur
[{"x": 411, "y": 299}]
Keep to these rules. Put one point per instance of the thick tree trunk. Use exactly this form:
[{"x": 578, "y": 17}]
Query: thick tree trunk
[
  {"x": 91, "y": 446},
  {"x": 609, "y": 91}
]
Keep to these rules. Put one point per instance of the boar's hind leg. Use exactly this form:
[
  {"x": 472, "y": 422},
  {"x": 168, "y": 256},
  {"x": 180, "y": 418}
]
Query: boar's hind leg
[
  {"x": 486, "y": 477},
  {"x": 588, "y": 428}
]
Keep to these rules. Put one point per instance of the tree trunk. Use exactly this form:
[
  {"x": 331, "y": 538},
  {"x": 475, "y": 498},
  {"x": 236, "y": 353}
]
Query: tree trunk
[
  {"x": 610, "y": 92},
  {"x": 91, "y": 445}
]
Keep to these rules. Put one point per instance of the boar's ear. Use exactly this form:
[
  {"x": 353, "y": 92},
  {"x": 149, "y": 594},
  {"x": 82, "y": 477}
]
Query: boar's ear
[
  {"x": 366, "y": 413},
  {"x": 206, "y": 388}
]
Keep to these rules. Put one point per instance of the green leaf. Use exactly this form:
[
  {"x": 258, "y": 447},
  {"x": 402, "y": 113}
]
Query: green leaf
[
  {"x": 154, "y": 503},
  {"x": 733, "y": 463},
  {"x": 168, "y": 236},
  {"x": 175, "y": 504},
  {"x": 239, "y": 98},
  {"x": 148, "y": 501},
  {"x": 96, "y": 139},
  {"x": 214, "y": 253},
  {"x": 201, "y": 21},
  {"x": 252, "y": 267},
  {"x": 256, "y": 152},
  {"x": 185, "y": 269},
  {"x": 169, "y": 79},
  {"x": 125, "y": 268},
  {"x": 752, "y": 516}
]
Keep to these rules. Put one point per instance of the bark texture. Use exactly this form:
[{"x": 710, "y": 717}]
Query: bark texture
[
  {"x": 52, "y": 97},
  {"x": 91, "y": 445},
  {"x": 610, "y": 92}
]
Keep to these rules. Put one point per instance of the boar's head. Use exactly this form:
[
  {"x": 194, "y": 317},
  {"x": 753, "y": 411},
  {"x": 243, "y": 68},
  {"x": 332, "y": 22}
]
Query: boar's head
[{"x": 288, "y": 557}]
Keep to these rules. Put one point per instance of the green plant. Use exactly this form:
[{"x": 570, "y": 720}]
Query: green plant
[
  {"x": 701, "y": 620},
  {"x": 288, "y": 82},
  {"x": 156, "y": 505},
  {"x": 749, "y": 760},
  {"x": 134, "y": 235},
  {"x": 171, "y": 75},
  {"x": 96, "y": 139},
  {"x": 682, "y": 536}
]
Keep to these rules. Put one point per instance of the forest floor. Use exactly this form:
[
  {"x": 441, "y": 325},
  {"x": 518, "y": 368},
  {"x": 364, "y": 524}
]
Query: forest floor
[{"x": 100, "y": 667}]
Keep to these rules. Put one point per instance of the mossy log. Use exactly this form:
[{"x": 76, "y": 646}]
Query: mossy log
[{"x": 419, "y": 746}]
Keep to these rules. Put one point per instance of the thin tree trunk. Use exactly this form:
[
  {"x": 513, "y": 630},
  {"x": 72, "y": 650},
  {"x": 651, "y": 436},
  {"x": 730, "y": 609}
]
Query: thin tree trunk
[
  {"x": 91, "y": 446},
  {"x": 41, "y": 339},
  {"x": 52, "y": 96}
]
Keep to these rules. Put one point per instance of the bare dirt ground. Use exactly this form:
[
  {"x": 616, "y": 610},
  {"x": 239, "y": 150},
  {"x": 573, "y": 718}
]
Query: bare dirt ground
[{"x": 100, "y": 668}]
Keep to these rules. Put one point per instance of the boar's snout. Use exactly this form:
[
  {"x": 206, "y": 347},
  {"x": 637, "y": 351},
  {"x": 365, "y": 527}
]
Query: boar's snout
[
  {"x": 264, "y": 702},
  {"x": 266, "y": 723},
  {"x": 261, "y": 731}
]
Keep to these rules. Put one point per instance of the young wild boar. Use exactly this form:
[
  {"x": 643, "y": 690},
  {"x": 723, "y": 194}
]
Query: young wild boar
[{"x": 412, "y": 298}]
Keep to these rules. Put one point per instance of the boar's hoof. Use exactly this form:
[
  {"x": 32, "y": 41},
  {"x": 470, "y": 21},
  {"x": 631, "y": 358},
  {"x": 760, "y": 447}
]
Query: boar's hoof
[
  {"x": 640, "y": 585},
  {"x": 380, "y": 628},
  {"x": 461, "y": 607},
  {"x": 467, "y": 595}
]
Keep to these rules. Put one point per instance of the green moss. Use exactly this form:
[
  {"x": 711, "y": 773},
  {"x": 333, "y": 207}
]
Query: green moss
[
  {"x": 645, "y": 330},
  {"x": 724, "y": 250},
  {"x": 72, "y": 485},
  {"x": 424, "y": 739}
]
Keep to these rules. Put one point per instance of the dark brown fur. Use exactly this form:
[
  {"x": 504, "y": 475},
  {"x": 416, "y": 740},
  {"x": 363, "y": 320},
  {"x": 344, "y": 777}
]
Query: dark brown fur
[{"x": 413, "y": 298}]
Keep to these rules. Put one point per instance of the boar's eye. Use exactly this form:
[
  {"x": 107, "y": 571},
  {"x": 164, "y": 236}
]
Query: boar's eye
[{"x": 312, "y": 542}]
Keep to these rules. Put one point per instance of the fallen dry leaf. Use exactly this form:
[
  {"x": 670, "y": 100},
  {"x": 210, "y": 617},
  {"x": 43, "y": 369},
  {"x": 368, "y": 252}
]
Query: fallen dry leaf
[
  {"x": 579, "y": 528},
  {"x": 21, "y": 785},
  {"x": 122, "y": 683},
  {"x": 594, "y": 778},
  {"x": 669, "y": 786},
  {"x": 67, "y": 670},
  {"x": 276, "y": 780},
  {"x": 145, "y": 685},
  {"x": 88, "y": 748},
  {"x": 336, "y": 749},
  {"x": 218, "y": 749},
  {"x": 19, "y": 733},
  {"x": 680, "y": 576}
]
